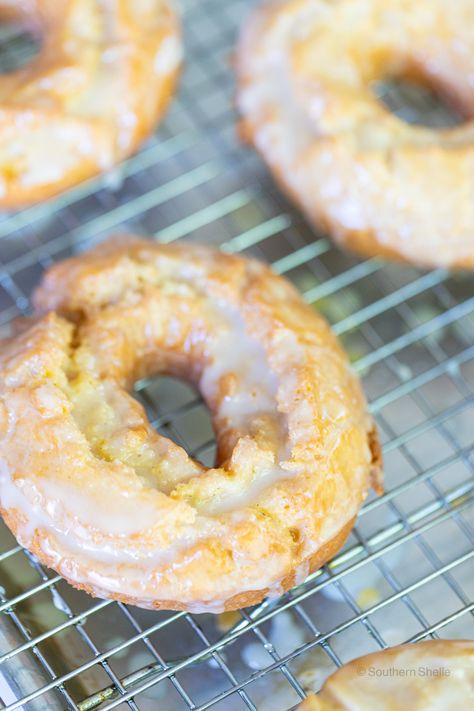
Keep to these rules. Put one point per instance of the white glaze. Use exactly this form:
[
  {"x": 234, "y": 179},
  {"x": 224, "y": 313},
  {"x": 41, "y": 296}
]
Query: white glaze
[
  {"x": 42, "y": 509},
  {"x": 169, "y": 56},
  {"x": 38, "y": 518},
  {"x": 233, "y": 351},
  {"x": 242, "y": 497},
  {"x": 302, "y": 572}
]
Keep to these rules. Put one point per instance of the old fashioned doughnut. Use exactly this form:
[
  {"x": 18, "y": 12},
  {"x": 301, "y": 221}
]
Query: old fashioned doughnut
[
  {"x": 120, "y": 511},
  {"x": 380, "y": 186},
  {"x": 102, "y": 79},
  {"x": 428, "y": 676}
]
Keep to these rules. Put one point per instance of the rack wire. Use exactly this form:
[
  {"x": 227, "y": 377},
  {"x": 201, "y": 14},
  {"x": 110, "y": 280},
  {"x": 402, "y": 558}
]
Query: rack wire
[{"x": 406, "y": 572}]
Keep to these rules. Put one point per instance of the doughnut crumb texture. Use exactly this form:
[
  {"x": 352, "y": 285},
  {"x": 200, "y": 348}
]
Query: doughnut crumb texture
[
  {"x": 122, "y": 512},
  {"x": 380, "y": 186},
  {"x": 100, "y": 83}
]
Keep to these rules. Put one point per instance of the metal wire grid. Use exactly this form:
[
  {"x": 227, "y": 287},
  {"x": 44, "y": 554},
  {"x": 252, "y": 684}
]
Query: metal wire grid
[{"x": 407, "y": 569}]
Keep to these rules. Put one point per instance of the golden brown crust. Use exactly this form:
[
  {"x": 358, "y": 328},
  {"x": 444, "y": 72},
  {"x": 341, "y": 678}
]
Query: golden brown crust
[
  {"x": 376, "y": 473},
  {"x": 381, "y": 187},
  {"x": 99, "y": 85},
  {"x": 146, "y": 523},
  {"x": 236, "y": 602},
  {"x": 437, "y": 674}
]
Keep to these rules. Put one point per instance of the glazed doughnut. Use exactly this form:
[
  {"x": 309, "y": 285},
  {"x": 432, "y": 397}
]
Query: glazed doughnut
[
  {"x": 120, "y": 511},
  {"x": 428, "y": 676},
  {"x": 102, "y": 79},
  {"x": 380, "y": 186}
]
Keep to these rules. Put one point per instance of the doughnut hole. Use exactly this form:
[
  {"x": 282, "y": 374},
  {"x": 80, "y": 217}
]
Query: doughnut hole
[
  {"x": 175, "y": 410},
  {"x": 20, "y": 43},
  {"x": 419, "y": 102}
]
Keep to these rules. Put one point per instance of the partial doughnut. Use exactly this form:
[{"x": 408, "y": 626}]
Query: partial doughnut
[
  {"x": 428, "y": 676},
  {"x": 379, "y": 186},
  {"x": 101, "y": 81},
  {"x": 121, "y": 511}
]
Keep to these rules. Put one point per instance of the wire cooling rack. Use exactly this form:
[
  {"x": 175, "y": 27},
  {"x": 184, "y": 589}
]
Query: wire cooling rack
[{"x": 406, "y": 572}]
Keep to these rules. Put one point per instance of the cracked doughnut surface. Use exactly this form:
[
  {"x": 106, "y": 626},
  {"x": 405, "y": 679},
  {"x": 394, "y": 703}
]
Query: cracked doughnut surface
[
  {"x": 102, "y": 79},
  {"x": 380, "y": 186},
  {"x": 428, "y": 676},
  {"x": 120, "y": 511}
]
